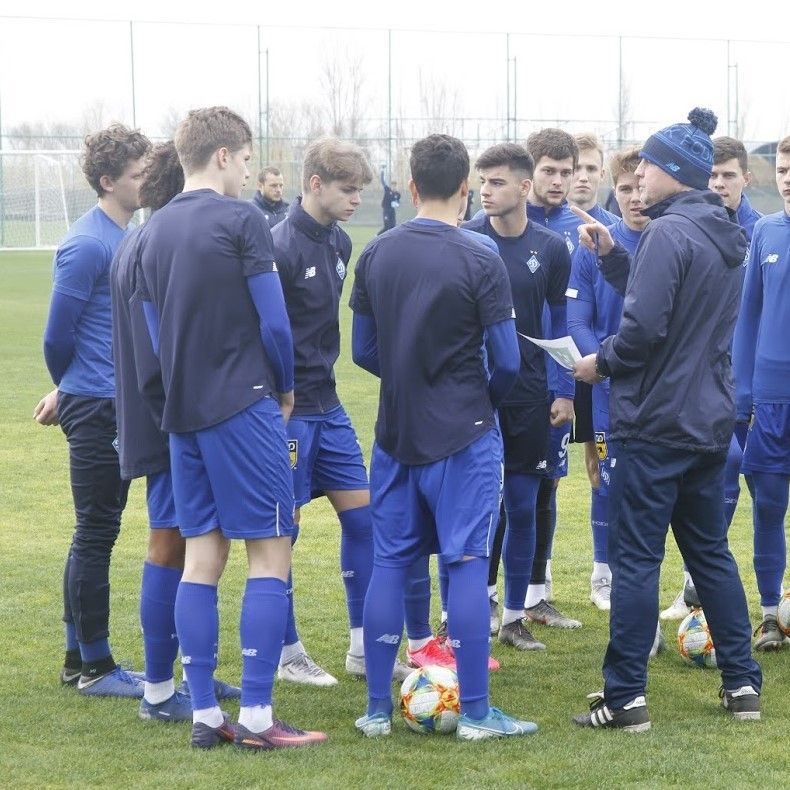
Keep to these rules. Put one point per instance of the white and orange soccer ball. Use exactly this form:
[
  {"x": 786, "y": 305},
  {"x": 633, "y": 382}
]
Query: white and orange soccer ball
[
  {"x": 429, "y": 700},
  {"x": 783, "y": 614},
  {"x": 695, "y": 642}
]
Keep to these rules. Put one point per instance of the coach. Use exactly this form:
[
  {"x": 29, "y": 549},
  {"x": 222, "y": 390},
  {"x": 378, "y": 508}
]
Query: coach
[{"x": 672, "y": 417}]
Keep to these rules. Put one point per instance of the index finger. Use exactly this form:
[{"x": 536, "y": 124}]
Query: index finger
[{"x": 583, "y": 215}]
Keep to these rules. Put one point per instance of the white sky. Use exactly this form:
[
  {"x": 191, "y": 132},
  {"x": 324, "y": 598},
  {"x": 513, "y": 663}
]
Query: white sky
[{"x": 53, "y": 70}]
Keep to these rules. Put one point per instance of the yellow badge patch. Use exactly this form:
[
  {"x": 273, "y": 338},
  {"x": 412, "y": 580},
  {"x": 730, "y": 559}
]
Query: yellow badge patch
[
  {"x": 293, "y": 451},
  {"x": 600, "y": 445}
]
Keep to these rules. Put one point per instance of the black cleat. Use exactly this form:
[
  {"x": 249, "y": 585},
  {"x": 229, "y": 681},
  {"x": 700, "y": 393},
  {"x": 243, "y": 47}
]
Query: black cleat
[{"x": 632, "y": 717}]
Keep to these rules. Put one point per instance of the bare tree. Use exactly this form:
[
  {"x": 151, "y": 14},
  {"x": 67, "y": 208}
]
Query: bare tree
[
  {"x": 342, "y": 80},
  {"x": 441, "y": 105},
  {"x": 170, "y": 119}
]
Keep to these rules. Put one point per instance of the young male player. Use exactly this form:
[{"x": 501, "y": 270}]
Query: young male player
[
  {"x": 424, "y": 295},
  {"x": 268, "y": 196},
  {"x": 762, "y": 383},
  {"x": 538, "y": 265},
  {"x": 729, "y": 178},
  {"x": 390, "y": 201},
  {"x": 78, "y": 353},
  {"x": 143, "y": 451},
  {"x": 312, "y": 253},
  {"x": 671, "y": 422},
  {"x": 217, "y": 319},
  {"x": 594, "y": 312}
]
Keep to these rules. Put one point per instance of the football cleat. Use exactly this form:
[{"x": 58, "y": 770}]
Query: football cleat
[
  {"x": 743, "y": 703},
  {"x": 117, "y": 683},
  {"x": 659, "y": 643},
  {"x": 222, "y": 690},
  {"x": 175, "y": 708},
  {"x": 601, "y": 594},
  {"x": 632, "y": 717},
  {"x": 677, "y": 610},
  {"x": 543, "y": 612},
  {"x": 206, "y": 737},
  {"x": 374, "y": 725},
  {"x": 279, "y": 736},
  {"x": 517, "y": 635},
  {"x": 495, "y": 724},
  {"x": 355, "y": 666},
  {"x": 771, "y": 638},
  {"x": 69, "y": 676},
  {"x": 493, "y": 605},
  {"x": 302, "y": 669},
  {"x": 435, "y": 653}
]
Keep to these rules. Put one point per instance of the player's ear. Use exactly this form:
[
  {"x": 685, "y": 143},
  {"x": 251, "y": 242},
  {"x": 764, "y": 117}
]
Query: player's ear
[
  {"x": 748, "y": 178},
  {"x": 106, "y": 183},
  {"x": 315, "y": 183},
  {"x": 464, "y": 188},
  {"x": 526, "y": 185},
  {"x": 222, "y": 157},
  {"x": 415, "y": 195}
]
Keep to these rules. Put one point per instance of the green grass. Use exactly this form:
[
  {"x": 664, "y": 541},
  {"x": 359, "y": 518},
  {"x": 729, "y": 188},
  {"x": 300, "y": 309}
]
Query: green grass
[{"x": 51, "y": 737}]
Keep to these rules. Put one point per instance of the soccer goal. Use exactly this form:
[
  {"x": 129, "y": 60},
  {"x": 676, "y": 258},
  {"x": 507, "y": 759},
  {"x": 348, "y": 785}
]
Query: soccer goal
[{"x": 41, "y": 192}]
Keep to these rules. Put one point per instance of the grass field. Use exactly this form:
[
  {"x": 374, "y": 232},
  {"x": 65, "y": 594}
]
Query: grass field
[{"x": 51, "y": 737}]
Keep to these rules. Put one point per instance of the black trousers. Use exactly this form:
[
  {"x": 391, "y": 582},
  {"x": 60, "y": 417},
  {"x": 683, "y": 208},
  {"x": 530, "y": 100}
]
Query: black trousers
[{"x": 99, "y": 498}]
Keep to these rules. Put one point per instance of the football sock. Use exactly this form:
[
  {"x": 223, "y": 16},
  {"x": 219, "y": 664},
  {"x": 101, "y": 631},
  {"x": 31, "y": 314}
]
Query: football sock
[
  {"x": 444, "y": 581},
  {"x": 156, "y": 693},
  {"x": 600, "y": 571},
  {"x": 210, "y": 716},
  {"x": 71, "y": 638},
  {"x": 535, "y": 594},
  {"x": 291, "y": 634},
  {"x": 518, "y": 549},
  {"x": 290, "y": 652},
  {"x": 264, "y": 610},
  {"x": 418, "y": 644},
  {"x": 545, "y": 521},
  {"x": 417, "y": 602},
  {"x": 769, "y": 610},
  {"x": 492, "y": 591},
  {"x": 383, "y": 626},
  {"x": 157, "y": 602},
  {"x": 511, "y": 615},
  {"x": 443, "y": 616},
  {"x": 197, "y": 625},
  {"x": 468, "y": 623},
  {"x": 96, "y": 658},
  {"x": 769, "y": 494},
  {"x": 356, "y": 642},
  {"x": 356, "y": 559},
  {"x": 256, "y": 718},
  {"x": 599, "y": 521}
]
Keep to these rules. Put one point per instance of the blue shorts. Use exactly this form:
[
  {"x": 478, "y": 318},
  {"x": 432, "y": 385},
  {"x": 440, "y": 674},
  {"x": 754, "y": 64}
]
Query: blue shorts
[
  {"x": 559, "y": 439},
  {"x": 768, "y": 440},
  {"x": 161, "y": 505},
  {"x": 600, "y": 415},
  {"x": 235, "y": 476},
  {"x": 325, "y": 455},
  {"x": 449, "y": 507}
]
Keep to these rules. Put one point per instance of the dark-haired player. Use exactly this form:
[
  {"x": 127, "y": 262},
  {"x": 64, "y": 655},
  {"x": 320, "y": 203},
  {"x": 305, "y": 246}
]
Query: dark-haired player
[
  {"x": 436, "y": 465},
  {"x": 78, "y": 353}
]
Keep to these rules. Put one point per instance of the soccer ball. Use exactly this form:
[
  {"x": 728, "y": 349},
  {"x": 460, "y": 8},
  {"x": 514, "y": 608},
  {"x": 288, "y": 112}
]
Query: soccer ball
[
  {"x": 429, "y": 700},
  {"x": 783, "y": 614},
  {"x": 695, "y": 642}
]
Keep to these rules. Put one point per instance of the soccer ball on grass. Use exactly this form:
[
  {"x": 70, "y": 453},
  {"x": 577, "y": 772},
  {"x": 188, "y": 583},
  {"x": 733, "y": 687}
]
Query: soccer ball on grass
[
  {"x": 429, "y": 700},
  {"x": 694, "y": 640}
]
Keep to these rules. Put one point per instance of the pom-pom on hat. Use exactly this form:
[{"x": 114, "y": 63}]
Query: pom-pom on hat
[{"x": 685, "y": 150}]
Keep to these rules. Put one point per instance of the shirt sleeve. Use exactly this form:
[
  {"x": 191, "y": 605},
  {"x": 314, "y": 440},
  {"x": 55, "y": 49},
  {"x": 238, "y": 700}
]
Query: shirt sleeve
[
  {"x": 493, "y": 296},
  {"x": 558, "y": 275},
  {"x": 360, "y": 298},
  {"x": 255, "y": 243},
  {"x": 79, "y": 263},
  {"x": 581, "y": 301}
]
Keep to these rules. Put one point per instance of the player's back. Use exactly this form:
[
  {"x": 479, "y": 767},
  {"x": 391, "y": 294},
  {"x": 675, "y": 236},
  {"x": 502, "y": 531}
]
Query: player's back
[
  {"x": 431, "y": 291},
  {"x": 197, "y": 254}
]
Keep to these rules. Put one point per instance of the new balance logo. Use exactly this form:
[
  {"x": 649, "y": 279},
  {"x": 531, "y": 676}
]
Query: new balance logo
[
  {"x": 250, "y": 652},
  {"x": 454, "y": 643},
  {"x": 389, "y": 639},
  {"x": 186, "y": 660},
  {"x": 346, "y": 574},
  {"x": 309, "y": 272},
  {"x": 772, "y": 258}
]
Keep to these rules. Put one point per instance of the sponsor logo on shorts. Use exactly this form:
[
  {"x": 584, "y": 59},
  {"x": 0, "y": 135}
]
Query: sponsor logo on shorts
[
  {"x": 309, "y": 272},
  {"x": 346, "y": 574},
  {"x": 389, "y": 639},
  {"x": 250, "y": 652},
  {"x": 542, "y": 464},
  {"x": 600, "y": 445},
  {"x": 293, "y": 452}
]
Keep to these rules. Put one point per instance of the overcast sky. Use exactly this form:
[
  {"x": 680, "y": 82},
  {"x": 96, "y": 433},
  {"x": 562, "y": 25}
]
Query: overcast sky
[{"x": 52, "y": 69}]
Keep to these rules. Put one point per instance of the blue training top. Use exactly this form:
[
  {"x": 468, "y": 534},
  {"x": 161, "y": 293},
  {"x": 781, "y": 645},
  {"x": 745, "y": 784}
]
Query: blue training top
[
  {"x": 761, "y": 354},
  {"x": 431, "y": 291},
  {"x": 562, "y": 220},
  {"x": 81, "y": 270},
  {"x": 312, "y": 260},
  {"x": 197, "y": 254}
]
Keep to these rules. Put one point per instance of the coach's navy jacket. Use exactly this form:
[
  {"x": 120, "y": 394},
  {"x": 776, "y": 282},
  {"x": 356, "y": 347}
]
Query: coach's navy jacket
[
  {"x": 273, "y": 212},
  {"x": 669, "y": 361}
]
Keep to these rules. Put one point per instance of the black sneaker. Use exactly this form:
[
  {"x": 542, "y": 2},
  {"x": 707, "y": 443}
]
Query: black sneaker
[
  {"x": 205, "y": 737},
  {"x": 70, "y": 675},
  {"x": 771, "y": 638},
  {"x": 690, "y": 597},
  {"x": 632, "y": 717},
  {"x": 517, "y": 635},
  {"x": 743, "y": 703}
]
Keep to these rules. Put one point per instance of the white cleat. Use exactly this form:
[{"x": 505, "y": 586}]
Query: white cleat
[
  {"x": 677, "y": 611},
  {"x": 302, "y": 669},
  {"x": 601, "y": 594},
  {"x": 355, "y": 666}
]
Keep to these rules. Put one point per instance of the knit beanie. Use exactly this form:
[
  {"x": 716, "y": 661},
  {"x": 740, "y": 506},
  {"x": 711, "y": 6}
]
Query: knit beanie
[{"x": 685, "y": 150}]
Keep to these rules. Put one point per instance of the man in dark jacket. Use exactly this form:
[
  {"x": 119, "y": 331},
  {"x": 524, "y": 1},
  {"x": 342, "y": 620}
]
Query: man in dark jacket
[
  {"x": 672, "y": 417},
  {"x": 269, "y": 195},
  {"x": 390, "y": 201}
]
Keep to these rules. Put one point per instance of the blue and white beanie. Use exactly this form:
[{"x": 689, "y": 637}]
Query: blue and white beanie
[{"x": 685, "y": 150}]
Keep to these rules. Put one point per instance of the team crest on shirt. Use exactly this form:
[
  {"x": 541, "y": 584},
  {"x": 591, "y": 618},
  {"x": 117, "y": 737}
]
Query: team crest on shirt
[
  {"x": 340, "y": 268},
  {"x": 533, "y": 264},
  {"x": 293, "y": 452},
  {"x": 600, "y": 445}
]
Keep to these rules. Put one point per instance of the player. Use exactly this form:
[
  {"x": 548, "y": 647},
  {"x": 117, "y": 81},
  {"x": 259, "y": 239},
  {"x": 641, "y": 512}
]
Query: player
[
  {"x": 143, "y": 450},
  {"x": 761, "y": 363},
  {"x": 78, "y": 353},
  {"x": 312, "y": 253},
  {"x": 538, "y": 265},
  {"x": 729, "y": 178},
  {"x": 390, "y": 202},
  {"x": 671, "y": 422},
  {"x": 218, "y": 324},
  {"x": 268, "y": 196},
  {"x": 435, "y": 469}
]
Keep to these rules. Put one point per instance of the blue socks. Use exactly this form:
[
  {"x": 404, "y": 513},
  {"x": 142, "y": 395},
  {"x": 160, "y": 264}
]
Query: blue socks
[
  {"x": 157, "y": 619},
  {"x": 467, "y": 624},
  {"x": 264, "y": 611},
  {"x": 444, "y": 582},
  {"x": 356, "y": 559},
  {"x": 383, "y": 627},
  {"x": 599, "y": 521},
  {"x": 417, "y": 603},
  {"x": 197, "y": 624},
  {"x": 91, "y": 652},
  {"x": 770, "y": 493},
  {"x": 291, "y": 634},
  {"x": 71, "y": 637},
  {"x": 518, "y": 551}
]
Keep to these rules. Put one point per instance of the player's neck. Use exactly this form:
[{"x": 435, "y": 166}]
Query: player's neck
[
  {"x": 512, "y": 224},
  {"x": 313, "y": 208},
  {"x": 119, "y": 215},
  {"x": 204, "y": 180},
  {"x": 587, "y": 205},
  {"x": 439, "y": 210}
]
